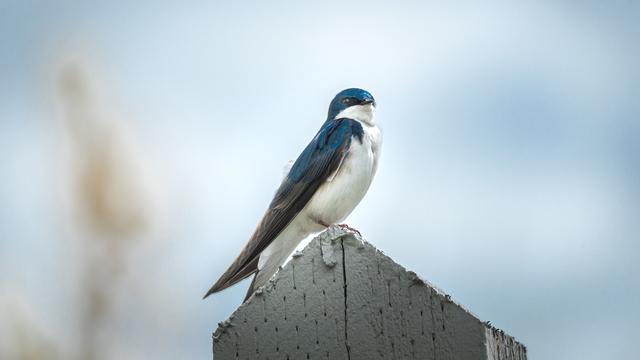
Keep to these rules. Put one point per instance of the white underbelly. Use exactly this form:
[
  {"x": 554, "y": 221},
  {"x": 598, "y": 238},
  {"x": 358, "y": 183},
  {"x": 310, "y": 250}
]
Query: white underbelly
[{"x": 335, "y": 199}]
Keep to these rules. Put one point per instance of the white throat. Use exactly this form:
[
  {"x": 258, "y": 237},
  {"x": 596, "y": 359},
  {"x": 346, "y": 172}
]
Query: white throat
[{"x": 362, "y": 113}]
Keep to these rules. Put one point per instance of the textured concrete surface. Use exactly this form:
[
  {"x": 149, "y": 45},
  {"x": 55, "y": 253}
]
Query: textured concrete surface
[{"x": 341, "y": 298}]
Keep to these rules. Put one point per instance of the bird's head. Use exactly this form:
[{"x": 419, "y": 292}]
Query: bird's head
[{"x": 354, "y": 103}]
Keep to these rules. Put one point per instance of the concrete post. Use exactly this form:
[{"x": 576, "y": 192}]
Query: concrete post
[{"x": 341, "y": 298}]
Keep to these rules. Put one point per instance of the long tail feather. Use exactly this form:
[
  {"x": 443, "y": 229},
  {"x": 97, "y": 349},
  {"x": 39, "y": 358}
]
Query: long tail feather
[{"x": 229, "y": 278}]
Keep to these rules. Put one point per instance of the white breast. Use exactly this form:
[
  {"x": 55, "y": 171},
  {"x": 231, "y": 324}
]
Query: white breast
[{"x": 336, "y": 198}]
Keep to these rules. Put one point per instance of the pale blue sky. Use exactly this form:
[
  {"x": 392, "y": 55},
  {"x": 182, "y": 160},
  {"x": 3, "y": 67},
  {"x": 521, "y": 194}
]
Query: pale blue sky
[{"x": 509, "y": 171}]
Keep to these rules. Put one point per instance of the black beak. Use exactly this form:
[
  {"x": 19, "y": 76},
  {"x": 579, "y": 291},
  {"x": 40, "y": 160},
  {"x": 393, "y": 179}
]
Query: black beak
[{"x": 368, "y": 101}]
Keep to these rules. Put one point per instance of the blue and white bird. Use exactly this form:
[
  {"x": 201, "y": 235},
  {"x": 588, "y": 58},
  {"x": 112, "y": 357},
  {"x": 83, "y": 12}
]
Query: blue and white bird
[{"x": 325, "y": 183}]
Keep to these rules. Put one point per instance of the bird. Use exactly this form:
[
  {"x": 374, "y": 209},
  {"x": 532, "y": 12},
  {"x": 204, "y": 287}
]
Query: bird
[{"x": 323, "y": 186}]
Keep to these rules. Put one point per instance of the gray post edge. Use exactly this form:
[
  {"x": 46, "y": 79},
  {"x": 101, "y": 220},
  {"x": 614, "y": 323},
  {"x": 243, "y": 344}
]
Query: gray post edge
[{"x": 341, "y": 298}]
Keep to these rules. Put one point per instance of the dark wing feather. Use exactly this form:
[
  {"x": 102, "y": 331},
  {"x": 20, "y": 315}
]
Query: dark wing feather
[{"x": 316, "y": 163}]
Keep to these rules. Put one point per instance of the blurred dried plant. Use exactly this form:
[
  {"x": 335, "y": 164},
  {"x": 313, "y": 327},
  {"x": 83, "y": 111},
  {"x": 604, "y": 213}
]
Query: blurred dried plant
[
  {"x": 108, "y": 178},
  {"x": 110, "y": 199},
  {"x": 20, "y": 336}
]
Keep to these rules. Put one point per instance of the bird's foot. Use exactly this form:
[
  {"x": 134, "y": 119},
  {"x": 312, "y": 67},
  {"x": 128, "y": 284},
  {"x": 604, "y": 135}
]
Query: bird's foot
[{"x": 349, "y": 228}]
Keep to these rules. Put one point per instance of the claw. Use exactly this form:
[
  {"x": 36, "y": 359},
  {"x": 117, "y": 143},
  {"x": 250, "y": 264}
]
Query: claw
[{"x": 349, "y": 228}]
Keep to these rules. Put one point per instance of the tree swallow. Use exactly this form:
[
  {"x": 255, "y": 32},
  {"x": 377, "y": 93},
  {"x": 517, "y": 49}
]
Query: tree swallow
[{"x": 324, "y": 185}]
